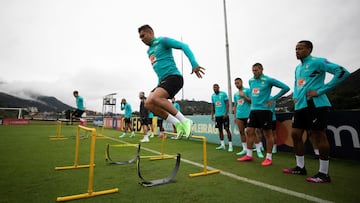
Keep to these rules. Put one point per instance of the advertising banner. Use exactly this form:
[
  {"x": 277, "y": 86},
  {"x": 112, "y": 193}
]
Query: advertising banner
[
  {"x": 108, "y": 122},
  {"x": 15, "y": 121},
  {"x": 342, "y": 131},
  {"x": 98, "y": 121}
]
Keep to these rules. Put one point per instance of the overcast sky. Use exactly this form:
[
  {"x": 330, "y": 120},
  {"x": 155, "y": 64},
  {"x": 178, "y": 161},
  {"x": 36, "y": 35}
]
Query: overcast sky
[{"x": 52, "y": 47}]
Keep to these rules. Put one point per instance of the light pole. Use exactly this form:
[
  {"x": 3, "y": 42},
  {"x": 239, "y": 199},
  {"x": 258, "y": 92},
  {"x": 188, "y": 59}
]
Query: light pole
[
  {"x": 227, "y": 59},
  {"x": 182, "y": 71}
]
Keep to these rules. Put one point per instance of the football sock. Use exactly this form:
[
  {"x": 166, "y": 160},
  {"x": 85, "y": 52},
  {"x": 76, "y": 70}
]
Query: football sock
[
  {"x": 180, "y": 116},
  {"x": 244, "y": 145},
  {"x": 269, "y": 156},
  {"x": 172, "y": 119},
  {"x": 324, "y": 166},
  {"x": 249, "y": 152},
  {"x": 300, "y": 161}
]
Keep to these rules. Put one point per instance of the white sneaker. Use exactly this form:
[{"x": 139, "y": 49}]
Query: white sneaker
[
  {"x": 123, "y": 135},
  {"x": 145, "y": 139}
]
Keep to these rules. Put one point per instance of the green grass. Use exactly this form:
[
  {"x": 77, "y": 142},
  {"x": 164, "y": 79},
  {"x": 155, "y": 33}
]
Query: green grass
[{"x": 28, "y": 159}]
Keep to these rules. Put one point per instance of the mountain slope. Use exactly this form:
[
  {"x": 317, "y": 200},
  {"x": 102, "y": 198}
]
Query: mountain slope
[
  {"x": 347, "y": 94},
  {"x": 42, "y": 103}
]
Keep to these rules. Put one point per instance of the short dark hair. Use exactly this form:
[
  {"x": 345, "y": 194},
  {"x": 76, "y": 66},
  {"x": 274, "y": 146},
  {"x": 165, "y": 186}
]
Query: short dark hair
[
  {"x": 258, "y": 65},
  {"x": 307, "y": 43},
  {"x": 75, "y": 92},
  {"x": 238, "y": 79},
  {"x": 145, "y": 28}
]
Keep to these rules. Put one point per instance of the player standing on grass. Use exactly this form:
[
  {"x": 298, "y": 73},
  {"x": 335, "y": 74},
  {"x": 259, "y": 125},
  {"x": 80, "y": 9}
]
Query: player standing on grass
[
  {"x": 273, "y": 110},
  {"x": 260, "y": 114},
  {"x": 312, "y": 107},
  {"x": 170, "y": 80},
  {"x": 150, "y": 123},
  {"x": 127, "y": 118},
  {"x": 242, "y": 110},
  {"x": 144, "y": 117},
  {"x": 220, "y": 109}
]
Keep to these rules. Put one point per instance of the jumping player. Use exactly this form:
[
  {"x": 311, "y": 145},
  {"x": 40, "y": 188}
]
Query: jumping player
[
  {"x": 170, "y": 80},
  {"x": 79, "y": 107}
]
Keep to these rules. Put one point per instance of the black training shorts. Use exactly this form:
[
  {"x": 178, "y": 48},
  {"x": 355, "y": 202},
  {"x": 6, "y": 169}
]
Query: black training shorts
[
  {"x": 144, "y": 121},
  {"x": 172, "y": 84},
  {"x": 243, "y": 120},
  {"x": 260, "y": 119},
  {"x": 311, "y": 118},
  {"x": 221, "y": 122},
  {"x": 78, "y": 113},
  {"x": 127, "y": 120}
]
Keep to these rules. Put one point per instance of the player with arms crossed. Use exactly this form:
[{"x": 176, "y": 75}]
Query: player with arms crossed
[{"x": 242, "y": 102}]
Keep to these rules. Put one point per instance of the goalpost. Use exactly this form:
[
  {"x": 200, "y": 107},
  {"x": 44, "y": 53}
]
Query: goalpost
[
  {"x": 11, "y": 112},
  {"x": 12, "y": 116}
]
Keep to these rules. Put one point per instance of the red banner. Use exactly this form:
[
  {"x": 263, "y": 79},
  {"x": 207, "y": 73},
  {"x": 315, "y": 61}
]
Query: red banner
[{"x": 15, "y": 121}]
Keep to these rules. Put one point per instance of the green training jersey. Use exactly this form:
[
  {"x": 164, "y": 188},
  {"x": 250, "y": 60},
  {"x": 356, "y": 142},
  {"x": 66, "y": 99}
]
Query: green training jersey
[
  {"x": 242, "y": 106},
  {"x": 161, "y": 56},
  {"x": 261, "y": 89},
  {"x": 310, "y": 75},
  {"x": 219, "y": 102}
]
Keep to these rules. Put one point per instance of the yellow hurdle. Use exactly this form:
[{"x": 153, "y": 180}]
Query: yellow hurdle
[
  {"x": 101, "y": 135},
  {"x": 90, "y": 192},
  {"x": 162, "y": 154},
  {"x": 205, "y": 171},
  {"x": 133, "y": 145},
  {"x": 77, "y": 144},
  {"x": 58, "y": 132}
]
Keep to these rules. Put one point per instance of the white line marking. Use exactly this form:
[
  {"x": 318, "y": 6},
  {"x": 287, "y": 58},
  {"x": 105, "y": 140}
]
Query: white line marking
[{"x": 243, "y": 179}]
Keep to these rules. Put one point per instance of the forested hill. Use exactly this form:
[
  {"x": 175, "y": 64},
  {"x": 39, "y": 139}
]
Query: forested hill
[
  {"x": 42, "y": 103},
  {"x": 347, "y": 94}
]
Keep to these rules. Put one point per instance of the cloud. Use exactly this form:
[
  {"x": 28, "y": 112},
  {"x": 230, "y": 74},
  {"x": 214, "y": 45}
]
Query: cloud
[{"x": 54, "y": 47}]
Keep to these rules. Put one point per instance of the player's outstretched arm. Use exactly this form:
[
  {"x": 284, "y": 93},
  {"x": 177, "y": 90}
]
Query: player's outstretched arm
[{"x": 199, "y": 71}]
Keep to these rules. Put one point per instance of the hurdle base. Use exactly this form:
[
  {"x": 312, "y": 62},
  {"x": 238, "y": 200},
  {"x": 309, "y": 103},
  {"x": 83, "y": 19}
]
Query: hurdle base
[
  {"x": 204, "y": 173},
  {"x": 86, "y": 195},
  {"x": 162, "y": 157},
  {"x": 125, "y": 145},
  {"x": 58, "y": 138},
  {"x": 72, "y": 167}
]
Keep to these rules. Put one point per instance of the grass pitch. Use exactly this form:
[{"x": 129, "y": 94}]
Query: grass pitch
[{"x": 28, "y": 159}]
